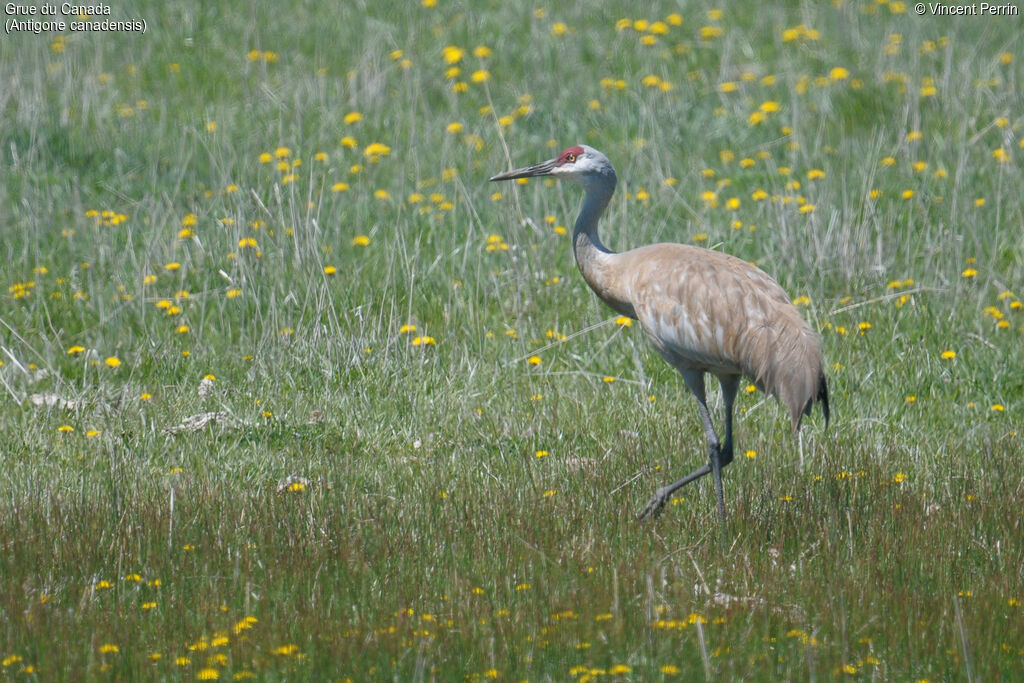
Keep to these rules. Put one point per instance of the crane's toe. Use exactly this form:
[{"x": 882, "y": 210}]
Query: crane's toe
[{"x": 654, "y": 506}]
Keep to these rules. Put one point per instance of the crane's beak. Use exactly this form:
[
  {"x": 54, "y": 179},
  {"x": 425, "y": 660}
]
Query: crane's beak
[{"x": 543, "y": 168}]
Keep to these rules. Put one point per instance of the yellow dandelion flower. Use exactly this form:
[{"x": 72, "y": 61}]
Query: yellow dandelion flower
[
  {"x": 623, "y": 321},
  {"x": 948, "y": 354},
  {"x": 113, "y": 362},
  {"x": 533, "y": 360},
  {"x": 709, "y": 32},
  {"x": 452, "y": 54},
  {"x": 376, "y": 150},
  {"x": 839, "y": 73},
  {"x": 353, "y": 117},
  {"x": 969, "y": 272}
]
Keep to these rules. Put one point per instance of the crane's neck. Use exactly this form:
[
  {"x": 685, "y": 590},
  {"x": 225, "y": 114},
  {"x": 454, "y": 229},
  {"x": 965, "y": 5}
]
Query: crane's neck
[{"x": 597, "y": 263}]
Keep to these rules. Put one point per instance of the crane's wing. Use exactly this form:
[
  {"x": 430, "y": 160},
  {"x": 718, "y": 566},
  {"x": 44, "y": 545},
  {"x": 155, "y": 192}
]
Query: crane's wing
[{"x": 705, "y": 310}]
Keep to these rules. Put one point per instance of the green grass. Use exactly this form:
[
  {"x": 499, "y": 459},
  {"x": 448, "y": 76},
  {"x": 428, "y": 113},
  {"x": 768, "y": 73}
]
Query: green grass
[{"x": 426, "y": 538}]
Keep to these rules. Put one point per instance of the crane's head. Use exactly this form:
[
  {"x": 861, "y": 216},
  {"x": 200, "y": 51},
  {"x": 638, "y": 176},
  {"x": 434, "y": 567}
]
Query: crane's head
[{"x": 581, "y": 164}]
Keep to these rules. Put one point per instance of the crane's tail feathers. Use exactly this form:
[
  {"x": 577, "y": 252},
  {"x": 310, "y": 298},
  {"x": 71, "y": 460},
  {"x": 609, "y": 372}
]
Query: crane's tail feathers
[
  {"x": 823, "y": 398},
  {"x": 820, "y": 397}
]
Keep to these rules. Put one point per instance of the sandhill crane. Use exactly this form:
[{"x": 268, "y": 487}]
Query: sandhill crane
[{"x": 703, "y": 310}]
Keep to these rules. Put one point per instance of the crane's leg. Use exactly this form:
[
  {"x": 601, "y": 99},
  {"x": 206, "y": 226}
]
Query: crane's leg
[
  {"x": 718, "y": 457},
  {"x": 730, "y": 384}
]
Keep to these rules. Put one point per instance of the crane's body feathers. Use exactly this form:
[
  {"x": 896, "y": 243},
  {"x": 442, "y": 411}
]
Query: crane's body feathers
[
  {"x": 703, "y": 310},
  {"x": 708, "y": 311}
]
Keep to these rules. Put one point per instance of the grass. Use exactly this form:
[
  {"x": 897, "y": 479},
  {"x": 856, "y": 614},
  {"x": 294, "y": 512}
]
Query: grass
[{"x": 291, "y": 203}]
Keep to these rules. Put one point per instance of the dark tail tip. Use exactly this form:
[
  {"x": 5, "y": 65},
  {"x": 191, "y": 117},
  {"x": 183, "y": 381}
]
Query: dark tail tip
[{"x": 823, "y": 398}]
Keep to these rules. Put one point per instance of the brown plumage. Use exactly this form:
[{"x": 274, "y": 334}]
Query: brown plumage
[
  {"x": 704, "y": 311},
  {"x": 678, "y": 293}
]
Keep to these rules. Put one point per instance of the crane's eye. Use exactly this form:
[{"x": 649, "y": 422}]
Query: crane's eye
[{"x": 571, "y": 158}]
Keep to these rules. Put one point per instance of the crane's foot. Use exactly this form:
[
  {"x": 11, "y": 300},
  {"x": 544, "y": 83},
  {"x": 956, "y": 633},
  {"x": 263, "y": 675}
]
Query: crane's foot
[
  {"x": 655, "y": 505},
  {"x": 663, "y": 495}
]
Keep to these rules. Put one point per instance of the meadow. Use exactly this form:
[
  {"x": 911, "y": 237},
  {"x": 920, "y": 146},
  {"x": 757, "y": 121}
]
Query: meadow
[{"x": 290, "y": 391}]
